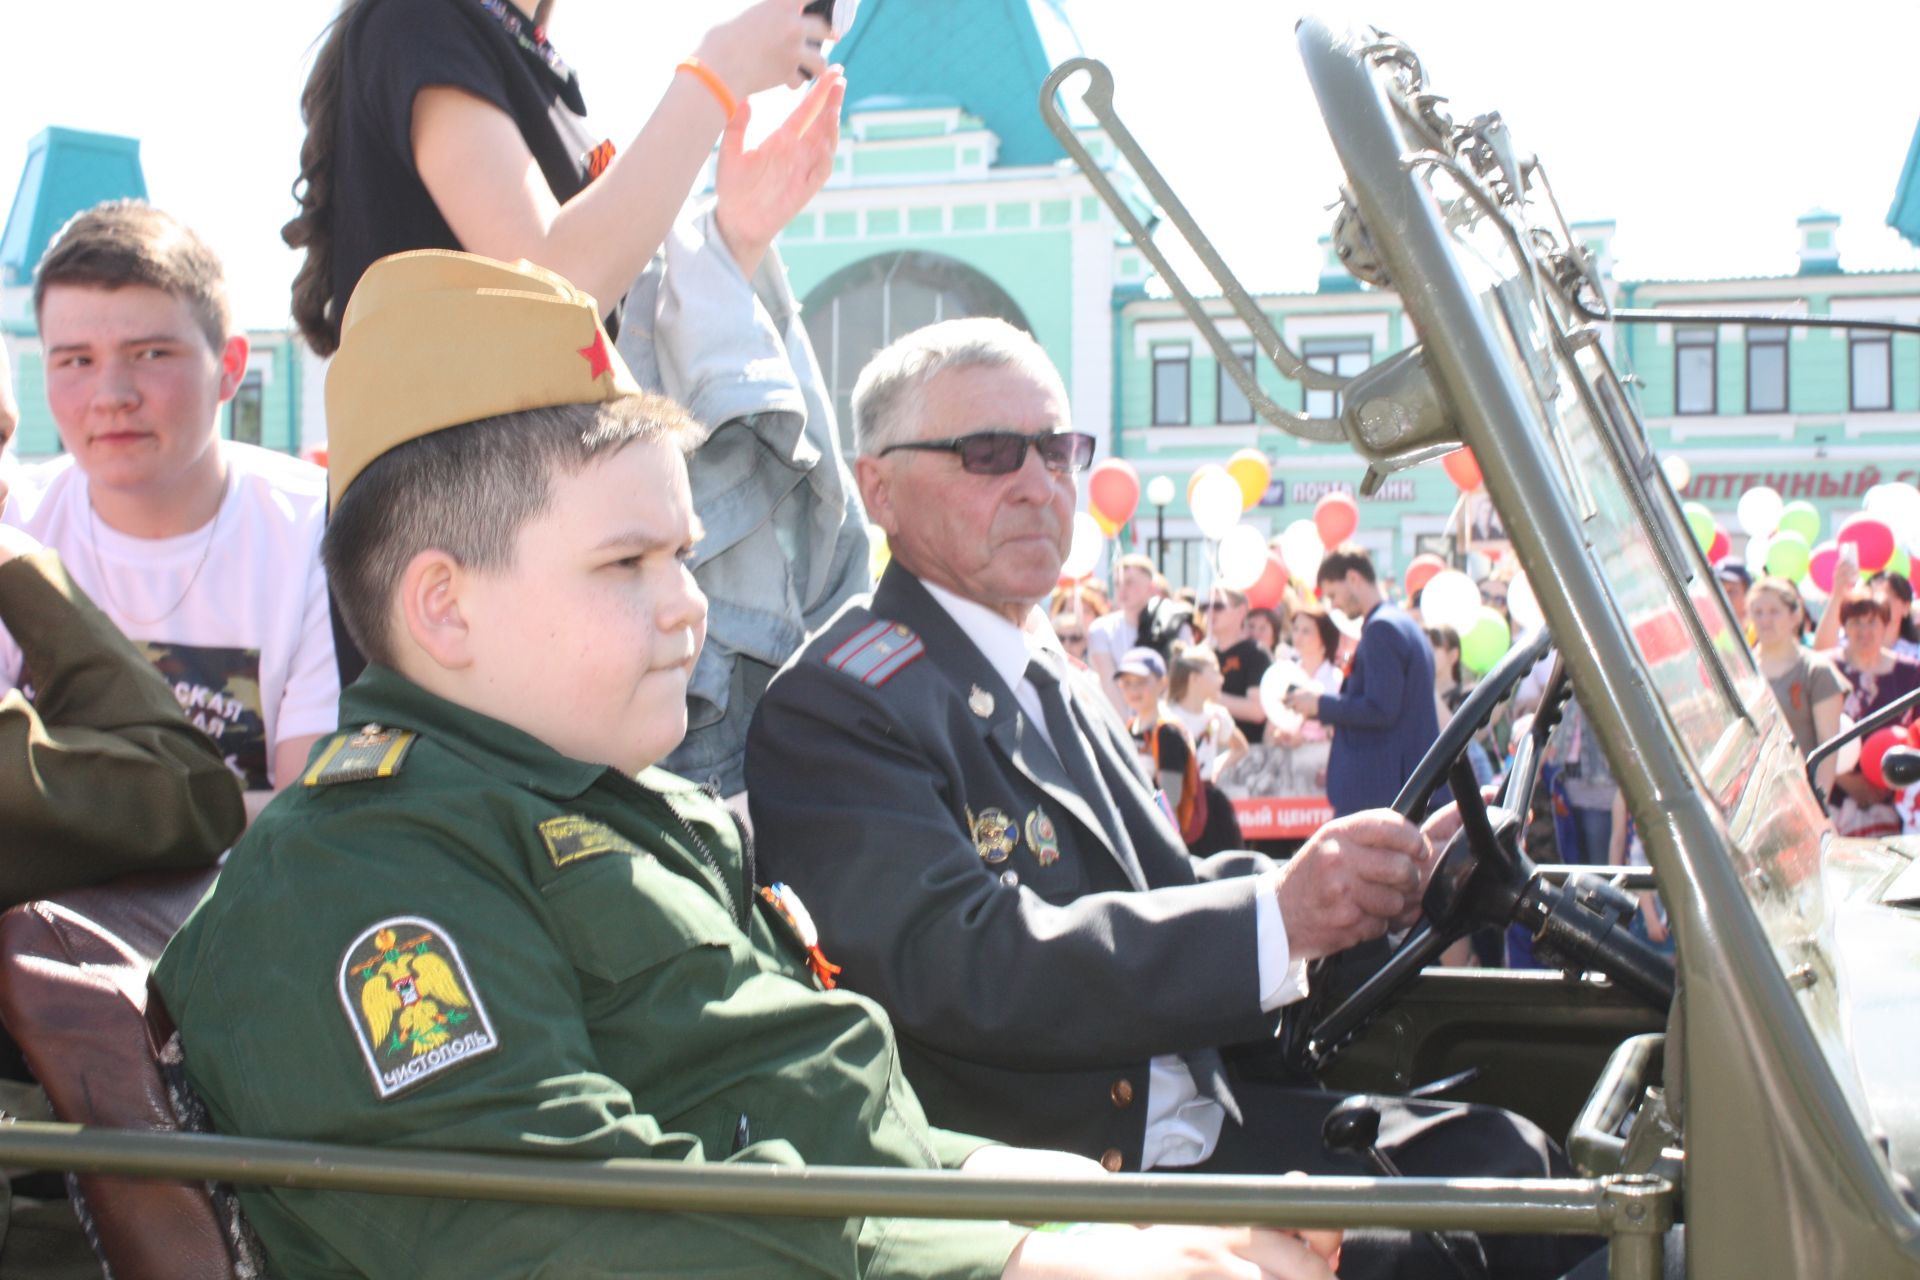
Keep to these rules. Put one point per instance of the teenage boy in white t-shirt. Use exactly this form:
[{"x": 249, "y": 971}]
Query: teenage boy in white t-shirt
[{"x": 204, "y": 551}]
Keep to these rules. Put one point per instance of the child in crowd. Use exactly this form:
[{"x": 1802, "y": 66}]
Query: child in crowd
[
  {"x": 204, "y": 551},
  {"x": 1199, "y": 810},
  {"x": 493, "y": 924},
  {"x": 1193, "y": 689}
]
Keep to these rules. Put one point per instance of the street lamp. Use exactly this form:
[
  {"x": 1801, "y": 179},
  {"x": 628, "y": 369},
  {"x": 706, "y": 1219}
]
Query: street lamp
[{"x": 1160, "y": 493}]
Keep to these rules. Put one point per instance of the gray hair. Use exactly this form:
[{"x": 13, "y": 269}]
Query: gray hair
[{"x": 890, "y": 384}]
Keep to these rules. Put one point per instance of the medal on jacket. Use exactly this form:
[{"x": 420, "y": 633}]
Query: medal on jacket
[
  {"x": 787, "y": 905},
  {"x": 980, "y": 702},
  {"x": 1042, "y": 838},
  {"x": 994, "y": 835}
]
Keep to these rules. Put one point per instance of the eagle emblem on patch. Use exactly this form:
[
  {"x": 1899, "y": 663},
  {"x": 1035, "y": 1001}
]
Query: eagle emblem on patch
[
  {"x": 414, "y": 1009},
  {"x": 994, "y": 835}
]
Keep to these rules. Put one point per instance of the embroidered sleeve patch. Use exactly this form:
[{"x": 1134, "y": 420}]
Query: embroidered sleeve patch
[
  {"x": 373, "y": 752},
  {"x": 412, "y": 1005},
  {"x": 571, "y": 837},
  {"x": 877, "y": 652}
]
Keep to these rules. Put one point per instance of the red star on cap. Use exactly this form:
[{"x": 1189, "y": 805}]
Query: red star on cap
[{"x": 598, "y": 361}]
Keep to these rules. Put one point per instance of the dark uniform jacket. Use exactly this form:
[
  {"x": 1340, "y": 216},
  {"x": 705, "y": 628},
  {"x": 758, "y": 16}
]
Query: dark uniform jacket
[
  {"x": 453, "y": 937},
  {"x": 100, "y": 775},
  {"x": 1384, "y": 716},
  {"x": 1032, "y": 963}
]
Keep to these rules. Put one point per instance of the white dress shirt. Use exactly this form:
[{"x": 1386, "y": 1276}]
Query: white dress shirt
[{"x": 1182, "y": 1126}]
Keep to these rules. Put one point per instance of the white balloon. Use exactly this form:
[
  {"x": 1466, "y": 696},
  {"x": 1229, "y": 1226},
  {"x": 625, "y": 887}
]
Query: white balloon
[
  {"x": 1084, "y": 552},
  {"x": 1898, "y": 507},
  {"x": 1678, "y": 473},
  {"x": 1451, "y": 599},
  {"x": 1847, "y": 758},
  {"x": 1160, "y": 491},
  {"x": 1759, "y": 511},
  {"x": 1522, "y": 605},
  {"x": 1243, "y": 557},
  {"x": 1285, "y": 674},
  {"x": 1302, "y": 550},
  {"x": 1757, "y": 548},
  {"x": 1216, "y": 504}
]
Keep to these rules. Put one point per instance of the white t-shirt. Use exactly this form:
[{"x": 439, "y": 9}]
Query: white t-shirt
[
  {"x": 1211, "y": 729},
  {"x": 1112, "y": 634},
  {"x": 249, "y": 649}
]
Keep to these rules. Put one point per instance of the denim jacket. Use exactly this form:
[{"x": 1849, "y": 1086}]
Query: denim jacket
[{"x": 786, "y": 539}]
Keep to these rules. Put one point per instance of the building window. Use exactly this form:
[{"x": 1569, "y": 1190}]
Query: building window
[
  {"x": 1767, "y": 370},
  {"x": 1694, "y": 364},
  {"x": 1344, "y": 356},
  {"x": 861, "y": 308},
  {"x": 1182, "y": 560},
  {"x": 1870, "y": 371},
  {"x": 247, "y": 404},
  {"x": 1172, "y": 386},
  {"x": 1231, "y": 405}
]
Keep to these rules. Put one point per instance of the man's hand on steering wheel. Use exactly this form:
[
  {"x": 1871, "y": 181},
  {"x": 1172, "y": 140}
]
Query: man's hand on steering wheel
[{"x": 1354, "y": 879}]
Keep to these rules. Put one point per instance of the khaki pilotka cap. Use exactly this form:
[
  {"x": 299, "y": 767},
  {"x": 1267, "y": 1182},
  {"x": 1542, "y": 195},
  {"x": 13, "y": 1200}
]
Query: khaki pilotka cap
[{"x": 435, "y": 339}]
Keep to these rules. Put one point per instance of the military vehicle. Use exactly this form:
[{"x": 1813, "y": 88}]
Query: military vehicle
[{"x": 1744, "y": 1110}]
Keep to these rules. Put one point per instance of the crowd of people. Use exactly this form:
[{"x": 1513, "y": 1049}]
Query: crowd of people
[{"x": 581, "y": 600}]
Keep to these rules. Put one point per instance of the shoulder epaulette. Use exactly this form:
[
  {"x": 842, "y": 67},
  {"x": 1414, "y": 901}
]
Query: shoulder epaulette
[
  {"x": 368, "y": 753},
  {"x": 877, "y": 652}
]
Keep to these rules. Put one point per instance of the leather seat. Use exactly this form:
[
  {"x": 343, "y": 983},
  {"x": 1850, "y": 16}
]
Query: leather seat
[{"x": 74, "y": 997}]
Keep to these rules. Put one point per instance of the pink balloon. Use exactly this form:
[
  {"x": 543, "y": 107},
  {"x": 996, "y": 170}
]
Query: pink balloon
[
  {"x": 1873, "y": 538},
  {"x": 1113, "y": 491},
  {"x": 1420, "y": 571},
  {"x": 1720, "y": 546},
  {"x": 1336, "y": 516},
  {"x": 1820, "y": 566}
]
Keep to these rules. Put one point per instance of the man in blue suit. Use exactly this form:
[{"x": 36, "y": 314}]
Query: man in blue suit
[{"x": 1384, "y": 716}]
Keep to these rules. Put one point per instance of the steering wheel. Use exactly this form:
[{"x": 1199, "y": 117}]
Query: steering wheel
[{"x": 1488, "y": 841}]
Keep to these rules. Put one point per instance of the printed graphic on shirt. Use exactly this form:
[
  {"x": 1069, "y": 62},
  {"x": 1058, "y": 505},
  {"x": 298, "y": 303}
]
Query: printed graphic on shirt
[
  {"x": 571, "y": 837},
  {"x": 412, "y": 1005},
  {"x": 219, "y": 690}
]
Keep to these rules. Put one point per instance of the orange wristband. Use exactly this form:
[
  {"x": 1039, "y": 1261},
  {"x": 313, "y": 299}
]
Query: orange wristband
[{"x": 715, "y": 85}]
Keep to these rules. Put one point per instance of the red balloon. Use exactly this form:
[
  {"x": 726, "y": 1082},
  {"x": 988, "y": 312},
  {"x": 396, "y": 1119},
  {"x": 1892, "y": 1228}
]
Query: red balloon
[
  {"x": 1271, "y": 587},
  {"x": 1820, "y": 565},
  {"x": 1113, "y": 491},
  {"x": 1462, "y": 469},
  {"x": 1875, "y": 748},
  {"x": 1721, "y": 545},
  {"x": 1420, "y": 571},
  {"x": 1336, "y": 516},
  {"x": 1873, "y": 538}
]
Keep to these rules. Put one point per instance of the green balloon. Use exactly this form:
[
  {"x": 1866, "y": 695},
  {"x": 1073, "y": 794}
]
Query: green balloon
[
  {"x": 1801, "y": 517},
  {"x": 1700, "y": 521},
  {"x": 1486, "y": 641},
  {"x": 1788, "y": 556},
  {"x": 1902, "y": 563}
]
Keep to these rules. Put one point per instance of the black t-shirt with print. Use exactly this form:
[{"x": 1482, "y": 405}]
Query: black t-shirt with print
[{"x": 1241, "y": 667}]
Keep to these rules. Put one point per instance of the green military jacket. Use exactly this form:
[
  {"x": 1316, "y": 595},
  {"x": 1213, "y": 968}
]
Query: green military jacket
[
  {"x": 451, "y": 937},
  {"x": 100, "y": 775}
]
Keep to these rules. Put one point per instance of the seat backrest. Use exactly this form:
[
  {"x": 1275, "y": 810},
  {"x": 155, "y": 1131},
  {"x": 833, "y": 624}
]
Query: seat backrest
[{"x": 74, "y": 996}]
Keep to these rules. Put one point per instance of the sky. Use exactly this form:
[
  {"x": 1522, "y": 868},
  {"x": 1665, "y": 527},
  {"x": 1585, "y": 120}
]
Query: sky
[{"x": 1704, "y": 129}]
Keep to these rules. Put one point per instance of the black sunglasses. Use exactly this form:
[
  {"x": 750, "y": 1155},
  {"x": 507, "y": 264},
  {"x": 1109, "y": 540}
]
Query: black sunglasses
[{"x": 1000, "y": 453}]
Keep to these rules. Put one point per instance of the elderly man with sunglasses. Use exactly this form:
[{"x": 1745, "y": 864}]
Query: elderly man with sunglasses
[{"x": 981, "y": 853}]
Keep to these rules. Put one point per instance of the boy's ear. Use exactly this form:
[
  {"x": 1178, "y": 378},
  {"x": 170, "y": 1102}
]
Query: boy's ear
[
  {"x": 233, "y": 365},
  {"x": 428, "y": 609}
]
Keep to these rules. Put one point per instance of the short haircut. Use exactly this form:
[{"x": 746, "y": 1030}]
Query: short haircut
[
  {"x": 129, "y": 242},
  {"x": 885, "y": 396},
  {"x": 1780, "y": 589},
  {"x": 1136, "y": 561},
  {"x": 1861, "y": 603},
  {"x": 468, "y": 491},
  {"x": 1343, "y": 559}
]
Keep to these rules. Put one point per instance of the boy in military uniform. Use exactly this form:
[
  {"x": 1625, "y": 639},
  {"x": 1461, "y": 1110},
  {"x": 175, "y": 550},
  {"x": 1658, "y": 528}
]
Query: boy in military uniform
[{"x": 484, "y": 922}]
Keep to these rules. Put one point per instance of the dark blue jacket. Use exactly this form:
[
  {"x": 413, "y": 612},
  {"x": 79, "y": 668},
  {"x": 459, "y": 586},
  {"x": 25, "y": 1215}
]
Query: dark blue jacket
[{"x": 1383, "y": 717}]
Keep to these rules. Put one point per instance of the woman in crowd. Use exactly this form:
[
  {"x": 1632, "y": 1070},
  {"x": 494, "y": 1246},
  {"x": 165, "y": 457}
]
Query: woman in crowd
[
  {"x": 1200, "y": 812},
  {"x": 1875, "y": 676},
  {"x": 1073, "y": 613},
  {"x": 1317, "y": 641},
  {"x": 1267, "y": 629},
  {"x": 1810, "y": 691},
  {"x": 1193, "y": 689},
  {"x": 1449, "y": 686},
  {"x": 1903, "y": 636}
]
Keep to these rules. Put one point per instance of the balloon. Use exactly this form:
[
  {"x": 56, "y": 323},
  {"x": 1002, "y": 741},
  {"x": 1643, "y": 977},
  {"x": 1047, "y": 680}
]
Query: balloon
[
  {"x": 1873, "y": 539},
  {"x": 1160, "y": 491},
  {"x": 1700, "y": 521},
  {"x": 1216, "y": 504},
  {"x": 1898, "y": 506},
  {"x": 1678, "y": 473},
  {"x": 1250, "y": 471},
  {"x": 1243, "y": 557},
  {"x": 1902, "y": 563},
  {"x": 1801, "y": 517},
  {"x": 1113, "y": 491},
  {"x": 1462, "y": 469},
  {"x": 1722, "y": 546},
  {"x": 1107, "y": 527},
  {"x": 1083, "y": 553},
  {"x": 878, "y": 552},
  {"x": 1487, "y": 640},
  {"x": 1283, "y": 675},
  {"x": 1820, "y": 565},
  {"x": 1875, "y": 748},
  {"x": 1756, "y": 556},
  {"x": 1300, "y": 547},
  {"x": 1759, "y": 511},
  {"x": 1420, "y": 571},
  {"x": 1847, "y": 758},
  {"x": 1201, "y": 473},
  {"x": 1335, "y": 517},
  {"x": 1788, "y": 555},
  {"x": 1522, "y": 605},
  {"x": 1271, "y": 587},
  {"x": 1451, "y": 599}
]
